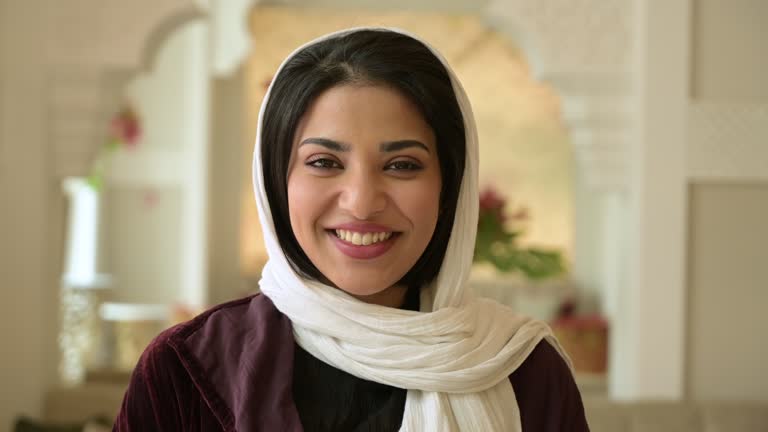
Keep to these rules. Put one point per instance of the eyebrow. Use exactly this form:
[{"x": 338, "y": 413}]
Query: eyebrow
[
  {"x": 389, "y": 146},
  {"x": 392, "y": 146},
  {"x": 327, "y": 143}
]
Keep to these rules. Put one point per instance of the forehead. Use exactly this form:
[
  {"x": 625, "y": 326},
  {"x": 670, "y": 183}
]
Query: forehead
[{"x": 362, "y": 113}]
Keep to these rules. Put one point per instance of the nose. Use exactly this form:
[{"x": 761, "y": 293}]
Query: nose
[{"x": 362, "y": 195}]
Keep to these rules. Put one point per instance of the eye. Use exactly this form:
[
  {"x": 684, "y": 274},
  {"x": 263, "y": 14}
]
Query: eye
[
  {"x": 404, "y": 166},
  {"x": 323, "y": 163}
]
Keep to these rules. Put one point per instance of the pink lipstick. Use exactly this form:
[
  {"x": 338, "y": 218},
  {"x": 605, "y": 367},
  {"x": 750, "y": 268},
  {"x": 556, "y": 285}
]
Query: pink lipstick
[{"x": 370, "y": 251}]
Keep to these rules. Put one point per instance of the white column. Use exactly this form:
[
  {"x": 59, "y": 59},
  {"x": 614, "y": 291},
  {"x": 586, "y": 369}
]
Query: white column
[
  {"x": 229, "y": 35},
  {"x": 81, "y": 281},
  {"x": 595, "y": 108},
  {"x": 194, "y": 237},
  {"x": 647, "y": 353},
  {"x": 82, "y": 243}
]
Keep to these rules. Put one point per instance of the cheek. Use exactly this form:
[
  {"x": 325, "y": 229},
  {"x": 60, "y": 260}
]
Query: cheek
[
  {"x": 303, "y": 204},
  {"x": 422, "y": 203}
]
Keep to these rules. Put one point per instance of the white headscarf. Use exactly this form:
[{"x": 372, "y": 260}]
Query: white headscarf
[{"x": 454, "y": 356}]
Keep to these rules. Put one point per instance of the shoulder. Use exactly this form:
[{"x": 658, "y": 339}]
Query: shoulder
[
  {"x": 236, "y": 324},
  {"x": 217, "y": 317},
  {"x": 159, "y": 389},
  {"x": 164, "y": 345},
  {"x": 543, "y": 377},
  {"x": 201, "y": 360},
  {"x": 546, "y": 392},
  {"x": 209, "y": 337},
  {"x": 163, "y": 354},
  {"x": 544, "y": 362}
]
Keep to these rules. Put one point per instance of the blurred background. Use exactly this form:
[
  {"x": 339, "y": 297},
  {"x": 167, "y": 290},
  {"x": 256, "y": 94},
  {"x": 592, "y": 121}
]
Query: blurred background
[{"x": 624, "y": 175}]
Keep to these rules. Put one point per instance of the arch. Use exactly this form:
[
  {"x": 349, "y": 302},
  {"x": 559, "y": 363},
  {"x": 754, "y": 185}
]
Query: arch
[{"x": 160, "y": 33}]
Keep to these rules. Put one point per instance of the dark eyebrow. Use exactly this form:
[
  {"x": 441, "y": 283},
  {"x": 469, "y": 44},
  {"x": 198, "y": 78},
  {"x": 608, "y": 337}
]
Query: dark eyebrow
[
  {"x": 327, "y": 143},
  {"x": 391, "y": 146}
]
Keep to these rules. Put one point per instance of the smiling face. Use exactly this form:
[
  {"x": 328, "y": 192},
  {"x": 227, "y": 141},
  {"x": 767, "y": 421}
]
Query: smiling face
[{"x": 364, "y": 189}]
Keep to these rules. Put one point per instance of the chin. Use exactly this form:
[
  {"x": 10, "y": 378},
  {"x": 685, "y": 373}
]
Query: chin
[
  {"x": 361, "y": 290},
  {"x": 392, "y": 296}
]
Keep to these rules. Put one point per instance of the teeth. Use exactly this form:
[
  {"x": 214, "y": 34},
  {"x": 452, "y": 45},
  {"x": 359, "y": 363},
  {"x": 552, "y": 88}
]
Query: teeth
[{"x": 364, "y": 239}]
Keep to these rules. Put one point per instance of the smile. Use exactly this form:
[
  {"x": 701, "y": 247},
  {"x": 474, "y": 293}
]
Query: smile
[
  {"x": 361, "y": 238},
  {"x": 363, "y": 245}
]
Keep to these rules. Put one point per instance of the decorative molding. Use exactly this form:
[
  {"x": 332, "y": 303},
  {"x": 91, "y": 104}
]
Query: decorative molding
[
  {"x": 603, "y": 113},
  {"x": 567, "y": 34},
  {"x": 727, "y": 141},
  {"x": 590, "y": 82},
  {"x": 582, "y": 48},
  {"x": 76, "y": 113},
  {"x": 158, "y": 35},
  {"x": 600, "y": 129},
  {"x": 115, "y": 34},
  {"x": 230, "y": 35}
]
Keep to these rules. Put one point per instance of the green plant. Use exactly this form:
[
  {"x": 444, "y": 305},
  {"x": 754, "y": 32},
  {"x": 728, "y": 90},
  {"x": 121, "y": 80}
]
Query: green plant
[{"x": 496, "y": 244}]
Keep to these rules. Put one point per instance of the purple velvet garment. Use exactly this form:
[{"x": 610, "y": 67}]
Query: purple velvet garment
[{"x": 231, "y": 369}]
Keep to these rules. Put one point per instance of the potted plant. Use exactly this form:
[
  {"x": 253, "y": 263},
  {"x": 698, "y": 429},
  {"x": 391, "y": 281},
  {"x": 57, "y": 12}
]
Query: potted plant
[{"x": 498, "y": 237}]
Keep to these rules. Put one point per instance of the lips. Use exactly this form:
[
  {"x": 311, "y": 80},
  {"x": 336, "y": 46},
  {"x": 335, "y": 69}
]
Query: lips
[{"x": 362, "y": 251}]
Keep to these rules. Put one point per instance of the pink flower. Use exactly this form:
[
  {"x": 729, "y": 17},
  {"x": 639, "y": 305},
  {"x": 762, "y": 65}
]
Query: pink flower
[
  {"x": 490, "y": 199},
  {"x": 492, "y": 202},
  {"x": 126, "y": 127}
]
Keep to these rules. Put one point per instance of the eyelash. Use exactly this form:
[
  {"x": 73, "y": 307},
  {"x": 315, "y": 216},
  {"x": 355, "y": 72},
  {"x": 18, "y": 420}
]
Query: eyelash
[
  {"x": 323, "y": 163},
  {"x": 408, "y": 165},
  {"x": 398, "y": 165}
]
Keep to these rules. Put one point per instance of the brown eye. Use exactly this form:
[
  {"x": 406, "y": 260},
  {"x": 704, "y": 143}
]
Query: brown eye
[
  {"x": 404, "y": 165},
  {"x": 323, "y": 163}
]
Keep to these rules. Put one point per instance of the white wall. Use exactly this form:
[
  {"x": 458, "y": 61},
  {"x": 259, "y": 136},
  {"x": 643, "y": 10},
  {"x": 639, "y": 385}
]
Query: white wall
[
  {"x": 28, "y": 299},
  {"x": 730, "y": 63},
  {"x": 727, "y": 277},
  {"x": 228, "y": 140},
  {"x": 676, "y": 313},
  {"x": 142, "y": 241},
  {"x": 155, "y": 206},
  {"x": 728, "y": 352}
]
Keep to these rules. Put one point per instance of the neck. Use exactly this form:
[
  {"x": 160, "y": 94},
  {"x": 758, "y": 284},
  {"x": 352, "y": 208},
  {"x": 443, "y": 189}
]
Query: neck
[{"x": 393, "y": 297}]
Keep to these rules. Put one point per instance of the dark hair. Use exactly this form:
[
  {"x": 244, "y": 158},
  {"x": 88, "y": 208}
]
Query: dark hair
[{"x": 364, "y": 57}]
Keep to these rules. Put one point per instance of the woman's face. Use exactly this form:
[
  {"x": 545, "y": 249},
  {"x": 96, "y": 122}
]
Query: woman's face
[{"x": 364, "y": 188}]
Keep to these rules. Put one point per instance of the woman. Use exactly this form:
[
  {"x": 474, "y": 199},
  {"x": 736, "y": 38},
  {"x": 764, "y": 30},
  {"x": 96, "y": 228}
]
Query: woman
[{"x": 365, "y": 173}]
